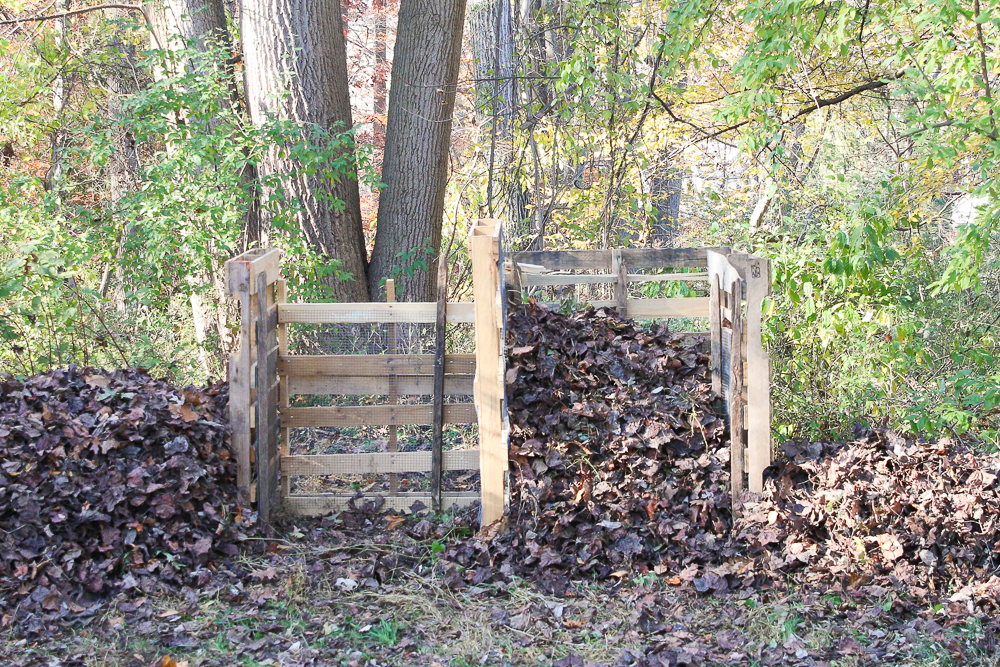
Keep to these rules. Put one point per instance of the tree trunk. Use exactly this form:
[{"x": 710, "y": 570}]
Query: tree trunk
[
  {"x": 299, "y": 45},
  {"x": 381, "y": 72},
  {"x": 415, "y": 168},
  {"x": 179, "y": 24},
  {"x": 194, "y": 25},
  {"x": 665, "y": 196}
]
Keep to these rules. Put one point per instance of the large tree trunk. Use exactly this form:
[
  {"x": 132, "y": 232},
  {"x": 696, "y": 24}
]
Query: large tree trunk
[
  {"x": 299, "y": 45},
  {"x": 181, "y": 24},
  {"x": 415, "y": 168}
]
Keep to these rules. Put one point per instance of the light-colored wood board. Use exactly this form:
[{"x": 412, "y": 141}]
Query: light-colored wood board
[
  {"x": 373, "y": 385},
  {"x": 325, "y": 504},
  {"x": 484, "y": 248},
  {"x": 696, "y": 306},
  {"x": 364, "y": 313},
  {"x": 376, "y": 415},
  {"x": 737, "y": 438},
  {"x": 540, "y": 280},
  {"x": 373, "y": 364},
  {"x": 600, "y": 260},
  {"x": 252, "y": 263},
  {"x": 758, "y": 374},
  {"x": 377, "y": 463},
  {"x": 715, "y": 333}
]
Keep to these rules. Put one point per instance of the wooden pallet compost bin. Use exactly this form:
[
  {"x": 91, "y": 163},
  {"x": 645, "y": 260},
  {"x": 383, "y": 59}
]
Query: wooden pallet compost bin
[
  {"x": 737, "y": 284},
  {"x": 261, "y": 419}
]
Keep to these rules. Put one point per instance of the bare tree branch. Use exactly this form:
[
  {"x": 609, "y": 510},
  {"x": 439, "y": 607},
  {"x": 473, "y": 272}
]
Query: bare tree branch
[{"x": 72, "y": 12}]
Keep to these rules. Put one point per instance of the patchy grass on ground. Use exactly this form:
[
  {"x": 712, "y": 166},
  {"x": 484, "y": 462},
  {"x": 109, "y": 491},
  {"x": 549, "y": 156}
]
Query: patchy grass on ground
[{"x": 322, "y": 596}]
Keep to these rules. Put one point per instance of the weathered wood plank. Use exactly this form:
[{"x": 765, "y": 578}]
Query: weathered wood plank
[
  {"x": 736, "y": 414},
  {"x": 376, "y": 415},
  {"x": 325, "y": 504},
  {"x": 695, "y": 306},
  {"x": 541, "y": 280},
  {"x": 484, "y": 247},
  {"x": 600, "y": 260},
  {"x": 240, "y": 379},
  {"x": 437, "y": 435},
  {"x": 268, "y": 490},
  {"x": 758, "y": 377},
  {"x": 265, "y": 261},
  {"x": 715, "y": 332},
  {"x": 373, "y": 385},
  {"x": 377, "y": 463},
  {"x": 365, "y": 313},
  {"x": 281, "y": 296},
  {"x": 373, "y": 364}
]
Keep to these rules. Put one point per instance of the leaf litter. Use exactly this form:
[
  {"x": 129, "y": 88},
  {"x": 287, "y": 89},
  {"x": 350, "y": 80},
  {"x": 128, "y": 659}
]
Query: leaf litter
[
  {"x": 656, "y": 569},
  {"x": 110, "y": 482}
]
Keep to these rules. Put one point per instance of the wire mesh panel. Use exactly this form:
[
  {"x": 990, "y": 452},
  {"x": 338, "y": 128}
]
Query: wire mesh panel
[{"x": 360, "y": 412}]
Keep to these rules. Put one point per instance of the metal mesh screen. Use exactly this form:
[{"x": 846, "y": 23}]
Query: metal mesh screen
[
  {"x": 569, "y": 298},
  {"x": 361, "y": 376}
]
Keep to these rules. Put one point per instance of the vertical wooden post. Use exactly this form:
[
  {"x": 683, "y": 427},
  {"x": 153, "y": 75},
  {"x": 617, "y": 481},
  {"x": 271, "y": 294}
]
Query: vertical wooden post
[
  {"x": 736, "y": 437},
  {"x": 715, "y": 332},
  {"x": 238, "y": 287},
  {"x": 281, "y": 296},
  {"x": 437, "y": 443},
  {"x": 390, "y": 297},
  {"x": 268, "y": 498},
  {"x": 484, "y": 246},
  {"x": 758, "y": 276},
  {"x": 619, "y": 268}
]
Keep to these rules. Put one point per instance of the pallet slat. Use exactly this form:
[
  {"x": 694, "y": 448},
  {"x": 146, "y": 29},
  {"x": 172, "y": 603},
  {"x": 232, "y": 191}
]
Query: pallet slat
[
  {"x": 370, "y": 313},
  {"x": 600, "y": 260},
  {"x": 373, "y": 364},
  {"x": 654, "y": 308},
  {"x": 327, "y": 503},
  {"x": 540, "y": 280},
  {"x": 376, "y": 415},
  {"x": 373, "y": 385},
  {"x": 377, "y": 463}
]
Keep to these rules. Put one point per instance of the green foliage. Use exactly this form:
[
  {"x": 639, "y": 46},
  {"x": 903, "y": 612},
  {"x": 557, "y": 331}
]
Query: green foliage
[{"x": 108, "y": 280}]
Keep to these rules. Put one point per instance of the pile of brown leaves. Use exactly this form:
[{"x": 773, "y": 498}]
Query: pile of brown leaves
[
  {"x": 109, "y": 482},
  {"x": 918, "y": 517},
  {"x": 619, "y": 459}
]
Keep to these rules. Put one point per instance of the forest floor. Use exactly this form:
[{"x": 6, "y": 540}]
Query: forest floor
[{"x": 327, "y": 595}]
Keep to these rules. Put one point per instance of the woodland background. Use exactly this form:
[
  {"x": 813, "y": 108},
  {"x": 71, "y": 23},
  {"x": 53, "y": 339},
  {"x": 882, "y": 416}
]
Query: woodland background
[{"x": 854, "y": 143}]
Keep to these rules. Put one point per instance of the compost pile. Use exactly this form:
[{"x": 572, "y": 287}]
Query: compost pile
[
  {"x": 920, "y": 517},
  {"x": 110, "y": 482},
  {"x": 619, "y": 457}
]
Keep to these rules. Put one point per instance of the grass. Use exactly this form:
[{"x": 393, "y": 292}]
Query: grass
[{"x": 418, "y": 620}]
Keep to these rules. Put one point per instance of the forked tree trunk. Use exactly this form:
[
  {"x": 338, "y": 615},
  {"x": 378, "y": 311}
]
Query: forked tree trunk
[
  {"x": 296, "y": 69},
  {"x": 415, "y": 168}
]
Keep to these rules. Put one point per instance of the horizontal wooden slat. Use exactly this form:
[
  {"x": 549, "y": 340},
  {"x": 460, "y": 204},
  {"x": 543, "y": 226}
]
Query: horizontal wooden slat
[
  {"x": 537, "y": 280},
  {"x": 376, "y": 463},
  {"x": 600, "y": 260},
  {"x": 373, "y": 364},
  {"x": 370, "y": 313},
  {"x": 360, "y": 385},
  {"x": 324, "y": 504},
  {"x": 660, "y": 308},
  {"x": 375, "y": 415}
]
